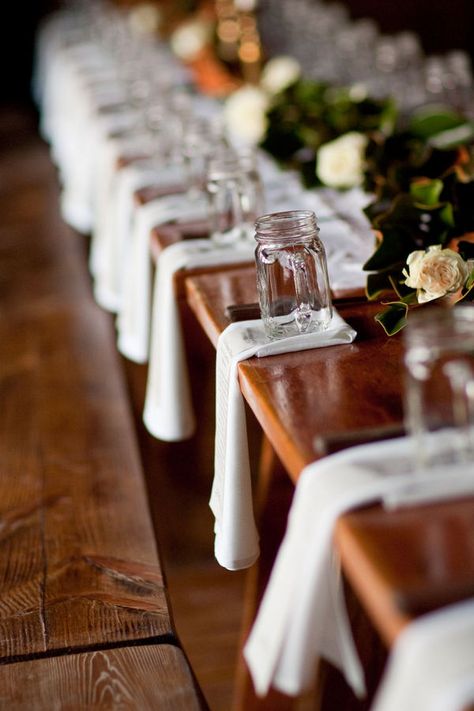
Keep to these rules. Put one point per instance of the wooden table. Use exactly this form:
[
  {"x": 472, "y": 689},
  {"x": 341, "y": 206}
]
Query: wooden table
[{"x": 399, "y": 563}]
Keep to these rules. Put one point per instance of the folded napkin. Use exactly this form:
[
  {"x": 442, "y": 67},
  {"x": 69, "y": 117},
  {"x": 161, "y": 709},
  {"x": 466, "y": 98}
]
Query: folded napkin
[
  {"x": 118, "y": 207},
  {"x": 168, "y": 412},
  {"x": 302, "y": 616},
  {"x": 133, "y": 322},
  {"x": 236, "y": 541},
  {"x": 431, "y": 667},
  {"x": 102, "y": 261}
]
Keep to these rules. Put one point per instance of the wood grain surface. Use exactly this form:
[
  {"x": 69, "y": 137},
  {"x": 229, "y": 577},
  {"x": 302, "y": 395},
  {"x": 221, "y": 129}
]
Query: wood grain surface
[
  {"x": 408, "y": 562},
  {"x": 82, "y": 592},
  {"x": 78, "y": 561},
  {"x": 143, "y": 678}
]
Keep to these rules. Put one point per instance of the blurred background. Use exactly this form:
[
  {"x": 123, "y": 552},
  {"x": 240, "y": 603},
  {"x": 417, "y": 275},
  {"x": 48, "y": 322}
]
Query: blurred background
[{"x": 440, "y": 26}]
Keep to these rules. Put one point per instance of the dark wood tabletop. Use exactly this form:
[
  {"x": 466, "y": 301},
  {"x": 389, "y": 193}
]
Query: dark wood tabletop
[
  {"x": 307, "y": 394},
  {"x": 400, "y": 563}
]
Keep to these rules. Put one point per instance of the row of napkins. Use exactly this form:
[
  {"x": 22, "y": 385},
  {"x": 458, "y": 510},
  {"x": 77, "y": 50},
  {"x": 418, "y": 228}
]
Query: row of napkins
[
  {"x": 236, "y": 539},
  {"x": 113, "y": 203},
  {"x": 134, "y": 316},
  {"x": 302, "y": 616}
]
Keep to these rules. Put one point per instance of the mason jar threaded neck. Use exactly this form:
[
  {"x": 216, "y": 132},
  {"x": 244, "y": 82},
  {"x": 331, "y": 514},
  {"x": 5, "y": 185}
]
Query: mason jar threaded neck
[{"x": 288, "y": 226}]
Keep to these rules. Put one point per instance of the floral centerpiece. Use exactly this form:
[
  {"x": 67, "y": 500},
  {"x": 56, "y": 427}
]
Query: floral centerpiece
[
  {"x": 246, "y": 110},
  {"x": 420, "y": 170},
  {"x": 321, "y": 130},
  {"x": 423, "y": 215}
]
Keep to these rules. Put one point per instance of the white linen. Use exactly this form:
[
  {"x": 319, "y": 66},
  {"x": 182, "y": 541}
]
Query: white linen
[
  {"x": 117, "y": 213},
  {"x": 101, "y": 259},
  {"x": 236, "y": 541},
  {"x": 302, "y": 616},
  {"x": 431, "y": 667},
  {"x": 133, "y": 322},
  {"x": 348, "y": 241},
  {"x": 168, "y": 412}
]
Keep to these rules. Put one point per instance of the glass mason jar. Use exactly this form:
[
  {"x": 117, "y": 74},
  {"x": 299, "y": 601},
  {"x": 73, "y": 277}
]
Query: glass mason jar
[
  {"x": 292, "y": 277},
  {"x": 235, "y": 195},
  {"x": 439, "y": 384}
]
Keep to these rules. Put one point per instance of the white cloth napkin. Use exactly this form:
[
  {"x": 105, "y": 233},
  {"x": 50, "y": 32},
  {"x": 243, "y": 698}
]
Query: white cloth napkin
[
  {"x": 103, "y": 259},
  {"x": 302, "y": 616},
  {"x": 134, "y": 316},
  {"x": 116, "y": 223},
  {"x": 236, "y": 541},
  {"x": 431, "y": 667},
  {"x": 168, "y": 412}
]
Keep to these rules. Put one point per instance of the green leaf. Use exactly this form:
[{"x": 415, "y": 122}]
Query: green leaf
[
  {"x": 377, "y": 284},
  {"x": 447, "y": 214},
  {"x": 468, "y": 289},
  {"x": 393, "y": 318},
  {"x": 454, "y": 137},
  {"x": 470, "y": 281},
  {"x": 430, "y": 121},
  {"x": 425, "y": 191},
  {"x": 404, "y": 292},
  {"x": 391, "y": 252}
]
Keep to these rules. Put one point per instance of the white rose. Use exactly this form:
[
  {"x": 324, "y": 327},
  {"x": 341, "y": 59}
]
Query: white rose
[
  {"x": 340, "y": 163},
  {"x": 435, "y": 272},
  {"x": 190, "y": 38},
  {"x": 245, "y": 115},
  {"x": 279, "y": 73}
]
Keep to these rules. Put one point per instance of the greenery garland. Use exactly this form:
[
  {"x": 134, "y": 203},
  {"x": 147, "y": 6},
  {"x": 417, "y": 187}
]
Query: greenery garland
[{"x": 420, "y": 170}]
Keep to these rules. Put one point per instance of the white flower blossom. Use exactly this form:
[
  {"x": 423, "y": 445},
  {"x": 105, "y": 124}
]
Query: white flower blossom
[
  {"x": 340, "y": 163},
  {"x": 190, "y": 38},
  {"x": 245, "y": 115},
  {"x": 435, "y": 273},
  {"x": 279, "y": 73}
]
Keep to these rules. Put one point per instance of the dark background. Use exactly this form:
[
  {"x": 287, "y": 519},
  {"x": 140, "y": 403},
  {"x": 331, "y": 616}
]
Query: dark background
[
  {"x": 441, "y": 25},
  {"x": 18, "y": 22}
]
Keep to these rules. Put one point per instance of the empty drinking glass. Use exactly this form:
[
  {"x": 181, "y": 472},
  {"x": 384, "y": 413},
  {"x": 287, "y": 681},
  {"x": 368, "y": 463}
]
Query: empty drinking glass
[
  {"x": 292, "y": 276},
  {"x": 235, "y": 195},
  {"x": 439, "y": 388}
]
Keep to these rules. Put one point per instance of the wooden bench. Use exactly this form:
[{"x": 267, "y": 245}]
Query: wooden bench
[{"x": 85, "y": 620}]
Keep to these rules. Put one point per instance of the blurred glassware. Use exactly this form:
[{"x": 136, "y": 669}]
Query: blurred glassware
[
  {"x": 235, "y": 194},
  {"x": 439, "y": 384}
]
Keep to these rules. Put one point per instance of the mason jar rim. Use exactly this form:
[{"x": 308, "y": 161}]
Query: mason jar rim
[
  {"x": 230, "y": 165},
  {"x": 287, "y": 225},
  {"x": 440, "y": 324}
]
